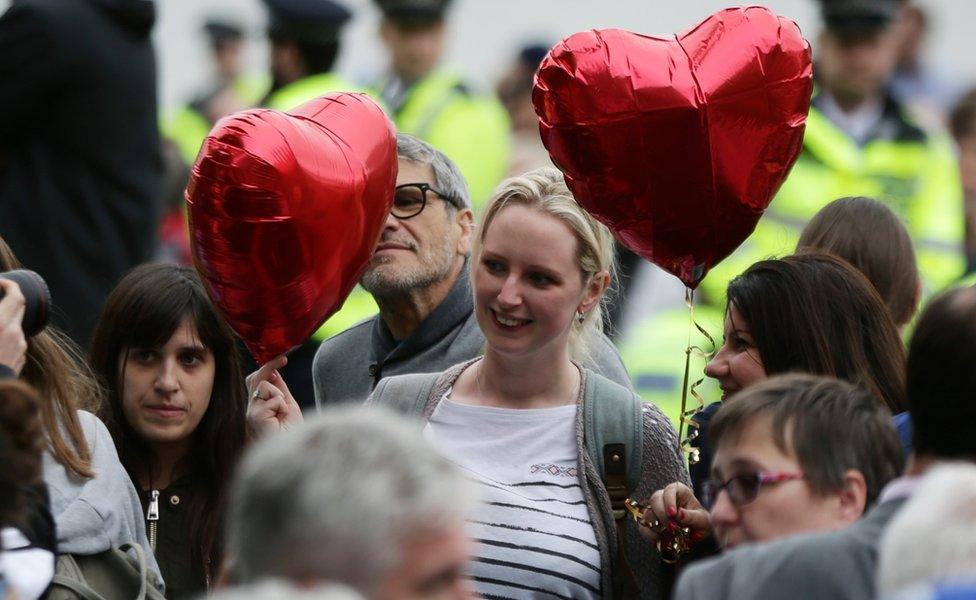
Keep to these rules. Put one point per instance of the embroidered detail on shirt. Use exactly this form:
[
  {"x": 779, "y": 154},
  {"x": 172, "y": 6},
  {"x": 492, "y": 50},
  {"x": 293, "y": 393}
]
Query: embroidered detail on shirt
[{"x": 554, "y": 470}]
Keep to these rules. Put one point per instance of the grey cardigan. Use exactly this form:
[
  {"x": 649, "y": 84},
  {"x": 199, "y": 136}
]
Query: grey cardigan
[{"x": 661, "y": 464}]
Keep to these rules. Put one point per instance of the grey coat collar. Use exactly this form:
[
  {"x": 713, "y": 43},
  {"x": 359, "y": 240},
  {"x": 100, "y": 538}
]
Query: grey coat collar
[{"x": 445, "y": 318}]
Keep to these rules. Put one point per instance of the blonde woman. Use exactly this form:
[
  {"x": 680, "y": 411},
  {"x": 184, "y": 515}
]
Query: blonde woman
[{"x": 513, "y": 419}]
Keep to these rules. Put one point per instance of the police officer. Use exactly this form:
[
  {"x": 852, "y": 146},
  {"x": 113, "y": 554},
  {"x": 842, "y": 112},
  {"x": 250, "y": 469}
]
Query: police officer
[
  {"x": 433, "y": 103},
  {"x": 230, "y": 91},
  {"x": 304, "y": 37},
  {"x": 859, "y": 141}
]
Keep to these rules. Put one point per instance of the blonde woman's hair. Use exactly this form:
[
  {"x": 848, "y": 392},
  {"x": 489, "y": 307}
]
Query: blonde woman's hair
[{"x": 545, "y": 190}]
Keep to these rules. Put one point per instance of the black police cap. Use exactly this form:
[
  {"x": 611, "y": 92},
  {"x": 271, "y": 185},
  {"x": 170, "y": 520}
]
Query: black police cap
[
  {"x": 306, "y": 21},
  {"x": 859, "y": 15},
  {"x": 414, "y": 10},
  {"x": 532, "y": 54}
]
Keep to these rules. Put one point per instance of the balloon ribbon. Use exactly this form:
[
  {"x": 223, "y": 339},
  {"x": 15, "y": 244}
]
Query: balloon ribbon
[{"x": 686, "y": 413}]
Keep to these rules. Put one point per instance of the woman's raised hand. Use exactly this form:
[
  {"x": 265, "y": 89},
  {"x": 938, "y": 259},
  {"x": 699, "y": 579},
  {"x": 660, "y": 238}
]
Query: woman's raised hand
[
  {"x": 270, "y": 406},
  {"x": 673, "y": 507}
]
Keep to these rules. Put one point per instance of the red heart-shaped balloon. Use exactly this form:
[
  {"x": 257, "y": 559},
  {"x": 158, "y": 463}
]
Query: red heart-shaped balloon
[
  {"x": 678, "y": 144},
  {"x": 285, "y": 211}
]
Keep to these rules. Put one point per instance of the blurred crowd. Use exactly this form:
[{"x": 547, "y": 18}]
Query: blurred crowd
[{"x": 830, "y": 452}]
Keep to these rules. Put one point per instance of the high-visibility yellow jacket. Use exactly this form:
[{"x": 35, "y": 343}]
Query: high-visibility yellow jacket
[
  {"x": 654, "y": 354},
  {"x": 359, "y": 306},
  {"x": 912, "y": 171},
  {"x": 472, "y": 130},
  {"x": 187, "y": 127},
  {"x": 306, "y": 88}
]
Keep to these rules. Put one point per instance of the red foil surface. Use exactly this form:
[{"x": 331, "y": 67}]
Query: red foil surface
[
  {"x": 678, "y": 144},
  {"x": 285, "y": 210}
]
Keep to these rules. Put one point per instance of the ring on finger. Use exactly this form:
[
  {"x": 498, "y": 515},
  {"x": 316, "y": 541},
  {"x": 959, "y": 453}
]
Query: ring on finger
[{"x": 256, "y": 395}]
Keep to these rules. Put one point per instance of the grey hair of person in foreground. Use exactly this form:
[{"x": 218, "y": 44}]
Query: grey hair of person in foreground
[
  {"x": 932, "y": 539},
  {"x": 335, "y": 498},
  {"x": 277, "y": 589},
  {"x": 447, "y": 176}
]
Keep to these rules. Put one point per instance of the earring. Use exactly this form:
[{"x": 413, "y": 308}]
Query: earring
[{"x": 580, "y": 316}]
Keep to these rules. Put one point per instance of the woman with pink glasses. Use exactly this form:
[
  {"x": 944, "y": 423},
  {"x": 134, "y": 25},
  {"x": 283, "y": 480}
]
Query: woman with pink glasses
[{"x": 793, "y": 453}]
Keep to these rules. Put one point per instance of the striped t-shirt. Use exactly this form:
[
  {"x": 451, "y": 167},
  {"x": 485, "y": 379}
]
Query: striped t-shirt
[{"x": 533, "y": 534}]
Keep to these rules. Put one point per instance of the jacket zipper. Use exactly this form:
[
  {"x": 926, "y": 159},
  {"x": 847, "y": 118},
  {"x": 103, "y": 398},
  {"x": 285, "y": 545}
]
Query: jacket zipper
[{"x": 152, "y": 517}]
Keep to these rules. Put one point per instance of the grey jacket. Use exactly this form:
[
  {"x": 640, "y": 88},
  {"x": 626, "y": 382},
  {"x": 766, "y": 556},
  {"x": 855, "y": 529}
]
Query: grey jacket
[
  {"x": 349, "y": 365},
  {"x": 94, "y": 515},
  {"x": 837, "y": 565},
  {"x": 661, "y": 464}
]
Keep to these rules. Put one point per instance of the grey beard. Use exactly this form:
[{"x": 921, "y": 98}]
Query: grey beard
[{"x": 392, "y": 283}]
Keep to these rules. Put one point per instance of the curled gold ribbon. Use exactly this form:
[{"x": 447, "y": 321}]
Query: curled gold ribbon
[{"x": 684, "y": 444}]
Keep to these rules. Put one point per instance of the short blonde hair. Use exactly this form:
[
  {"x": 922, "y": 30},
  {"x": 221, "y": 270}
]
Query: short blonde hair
[{"x": 545, "y": 190}]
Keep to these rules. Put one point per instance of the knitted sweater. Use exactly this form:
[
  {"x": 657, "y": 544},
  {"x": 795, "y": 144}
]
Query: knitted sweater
[{"x": 661, "y": 464}]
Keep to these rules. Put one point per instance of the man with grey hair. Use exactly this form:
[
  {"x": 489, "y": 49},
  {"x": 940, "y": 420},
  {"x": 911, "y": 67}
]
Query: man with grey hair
[
  {"x": 356, "y": 497},
  {"x": 419, "y": 279}
]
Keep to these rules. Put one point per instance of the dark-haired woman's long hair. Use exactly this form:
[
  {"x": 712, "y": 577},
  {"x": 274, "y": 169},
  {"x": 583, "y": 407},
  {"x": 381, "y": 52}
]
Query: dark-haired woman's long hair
[
  {"x": 144, "y": 311},
  {"x": 815, "y": 313}
]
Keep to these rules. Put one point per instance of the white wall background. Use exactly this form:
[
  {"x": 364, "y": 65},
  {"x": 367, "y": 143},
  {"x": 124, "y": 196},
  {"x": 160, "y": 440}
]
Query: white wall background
[{"x": 484, "y": 33}]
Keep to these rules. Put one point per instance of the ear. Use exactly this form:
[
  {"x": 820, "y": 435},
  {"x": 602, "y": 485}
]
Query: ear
[
  {"x": 594, "y": 291},
  {"x": 465, "y": 221},
  {"x": 853, "y": 497}
]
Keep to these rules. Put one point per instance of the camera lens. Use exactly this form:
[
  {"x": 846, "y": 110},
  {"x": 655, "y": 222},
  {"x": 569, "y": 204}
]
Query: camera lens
[{"x": 37, "y": 296}]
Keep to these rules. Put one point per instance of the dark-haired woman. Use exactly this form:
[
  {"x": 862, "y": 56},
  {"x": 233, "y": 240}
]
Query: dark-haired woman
[
  {"x": 175, "y": 409},
  {"x": 810, "y": 313},
  {"x": 807, "y": 313}
]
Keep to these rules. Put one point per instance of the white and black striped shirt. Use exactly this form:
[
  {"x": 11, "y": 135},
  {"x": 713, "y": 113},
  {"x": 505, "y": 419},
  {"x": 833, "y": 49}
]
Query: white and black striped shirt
[{"x": 533, "y": 531}]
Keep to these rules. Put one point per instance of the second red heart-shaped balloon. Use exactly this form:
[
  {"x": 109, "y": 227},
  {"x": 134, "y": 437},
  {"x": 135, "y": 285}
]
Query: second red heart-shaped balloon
[
  {"x": 285, "y": 210},
  {"x": 678, "y": 144}
]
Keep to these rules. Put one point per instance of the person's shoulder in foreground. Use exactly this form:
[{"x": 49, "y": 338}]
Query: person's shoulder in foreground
[{"x": 834, "y": 565}]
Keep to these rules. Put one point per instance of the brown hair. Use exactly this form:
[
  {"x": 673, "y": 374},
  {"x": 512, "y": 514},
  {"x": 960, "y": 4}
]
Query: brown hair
[
  {"x": 829, "y": 425},
  {"x": 21, "y": 444},
  {"x": 815, "y": 313},
  {"x": 872, "y": 238},
  {"x": 64, "y": 383},
  {"x": 143, "y": 312},
  {"x": 942, "y": 377}
]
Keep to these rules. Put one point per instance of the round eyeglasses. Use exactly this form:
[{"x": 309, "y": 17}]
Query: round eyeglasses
[
  {"x": 743, "y": 489},
  {"x": 410, "y": 199}
]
